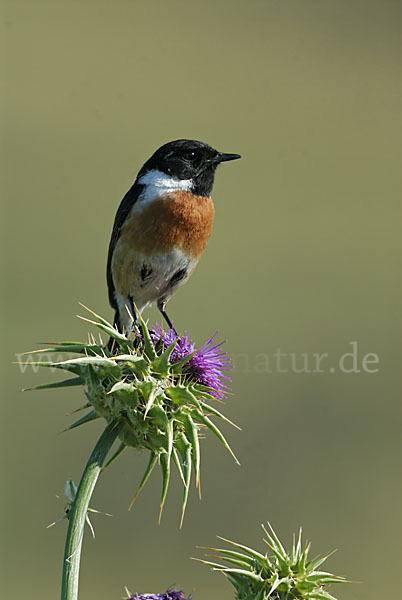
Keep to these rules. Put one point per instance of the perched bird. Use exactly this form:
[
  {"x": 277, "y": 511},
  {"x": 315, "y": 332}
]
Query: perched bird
[{"x": 161, "y": 228}]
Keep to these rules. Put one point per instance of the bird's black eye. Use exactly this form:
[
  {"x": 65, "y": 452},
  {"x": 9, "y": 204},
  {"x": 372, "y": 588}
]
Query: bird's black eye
[{"x": 190, "y": 155}]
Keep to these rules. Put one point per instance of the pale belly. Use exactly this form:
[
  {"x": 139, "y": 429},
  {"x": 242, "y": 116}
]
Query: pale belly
[{"x": 148, "y": 278}]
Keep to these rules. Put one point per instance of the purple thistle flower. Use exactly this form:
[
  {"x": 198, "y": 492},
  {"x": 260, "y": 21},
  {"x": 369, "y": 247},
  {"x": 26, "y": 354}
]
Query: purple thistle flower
[
  {"x": 208, "y": 364},
  {"x": 168, "y": 595}
]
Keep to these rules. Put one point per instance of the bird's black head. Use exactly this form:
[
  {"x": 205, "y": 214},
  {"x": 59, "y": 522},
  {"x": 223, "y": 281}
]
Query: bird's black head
[{"x": 188, "y": 160}]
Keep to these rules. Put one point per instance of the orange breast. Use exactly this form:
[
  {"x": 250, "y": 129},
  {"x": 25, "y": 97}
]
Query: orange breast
[{"x": 178, "y": 219}]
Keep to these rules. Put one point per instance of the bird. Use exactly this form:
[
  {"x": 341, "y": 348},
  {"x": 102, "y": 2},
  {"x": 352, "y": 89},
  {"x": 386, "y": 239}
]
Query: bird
[{"x": 161, "y": 228}]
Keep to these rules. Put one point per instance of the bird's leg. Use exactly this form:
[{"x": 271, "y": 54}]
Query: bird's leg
[{"x": 162, "y": 308}]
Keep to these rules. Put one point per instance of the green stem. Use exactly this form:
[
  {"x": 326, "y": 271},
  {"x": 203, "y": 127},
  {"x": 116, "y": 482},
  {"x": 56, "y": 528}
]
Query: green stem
[{"x": 75, "y": 533}]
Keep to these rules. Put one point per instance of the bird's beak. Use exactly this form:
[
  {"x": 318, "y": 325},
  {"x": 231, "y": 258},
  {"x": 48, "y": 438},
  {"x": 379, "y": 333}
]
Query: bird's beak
[{"x": 223, "y": 157}]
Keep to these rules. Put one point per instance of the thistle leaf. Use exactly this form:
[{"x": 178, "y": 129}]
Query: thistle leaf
[
  {"x": 138, "y": 364},
  {"x": 94, "y": 314},
  {"x": 94, "y": 361},
  {"x": 149, "y": 393},
  {"x": 246, "y": 560},
  {"x": 165, "y": 466},
  {"x": 91, "y": 416},
  {"x": 244, "y": 573},
  {"x": 220, "y": 415},
  {"x": 319, "y": 560},
  {"x": 261, "y": 594},
  {"x": 120, "y": 338},
  {"x": 160, "y": 419},
  {"x": 257, "y": 555},
  {"x": 180, "y": 394},
  {"x": 212, "y": 427},
  {"x": 192, "y": 436},
  {"x": 149, "y": 348},
  {"x": 274, "y": 541},
  {"x": 122, "y": 387},
  {"x": 150, "y": 467},
  {"x": 117, "y": 453},
  {"x": 185, "y": 452},
  {"x": 176, "y": 460},
  {"x": 234, "y": 561},
  {"x": 71, "y": 347},
  {"x": 73, "y": 381},
  {"x": 161, "y": 364}
]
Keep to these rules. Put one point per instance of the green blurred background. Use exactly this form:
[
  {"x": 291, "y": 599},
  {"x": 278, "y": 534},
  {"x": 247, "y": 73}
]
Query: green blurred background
[{"x": 303, "y": 258}]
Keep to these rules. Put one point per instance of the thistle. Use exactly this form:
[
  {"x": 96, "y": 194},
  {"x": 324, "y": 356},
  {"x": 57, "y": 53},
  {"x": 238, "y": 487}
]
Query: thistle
[
  {"x": 277, "y": 574},
  {"x": 156, "y": 388},
  {"x": 152, "y": 399}
]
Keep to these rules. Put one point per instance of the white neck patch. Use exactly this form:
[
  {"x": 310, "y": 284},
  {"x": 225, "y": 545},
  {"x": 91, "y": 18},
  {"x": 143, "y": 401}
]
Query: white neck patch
[
  {"x": 157, "y": 184},
  {"x": 158, "y": 179}
]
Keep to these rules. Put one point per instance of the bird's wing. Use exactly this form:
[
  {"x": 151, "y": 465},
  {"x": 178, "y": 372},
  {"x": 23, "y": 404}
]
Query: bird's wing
[{"x": 122, "y": 212}]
